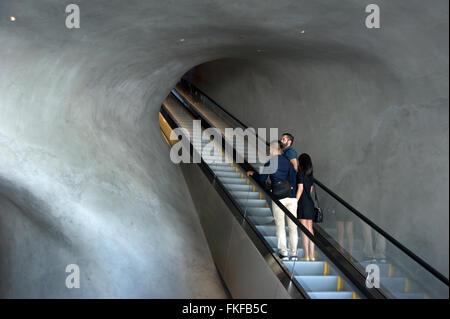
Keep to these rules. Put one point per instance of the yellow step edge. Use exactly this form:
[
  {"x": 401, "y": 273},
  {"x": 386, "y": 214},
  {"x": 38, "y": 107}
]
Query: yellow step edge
[
  {"x": 166, "y": 130},
  {"x": 326, "y": 268},
  {"x": 407, "y": 285},
  {"x": 165, "y": 138},
  {"x": 340, "y": 283},
  {"x": 391, "y": 271},
  {"x": 261, "y": 196},
  {"x": 355, "y": 295}
]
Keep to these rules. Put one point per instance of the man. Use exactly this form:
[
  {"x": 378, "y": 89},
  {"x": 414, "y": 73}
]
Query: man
[
  {"x": 288, "y": 151},
  {"x": 284, "y": 172},
  {"x": 370, "y": 254}
]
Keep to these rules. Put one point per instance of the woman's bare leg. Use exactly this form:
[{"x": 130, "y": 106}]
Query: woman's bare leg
[
  {"x": 305, "y": 239},
  {"x": 311, "y": 243}
]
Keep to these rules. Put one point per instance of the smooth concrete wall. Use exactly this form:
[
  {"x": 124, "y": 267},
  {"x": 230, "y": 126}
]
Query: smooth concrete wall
[
  {"x": 84, "y": 172},
  {"x": 374, "y": 118}
]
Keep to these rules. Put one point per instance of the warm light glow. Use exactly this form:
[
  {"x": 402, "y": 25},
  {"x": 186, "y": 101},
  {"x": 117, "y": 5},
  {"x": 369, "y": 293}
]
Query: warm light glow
[
  {"x": 12, "y": 18},
  {"x": 302, "y": 31}
]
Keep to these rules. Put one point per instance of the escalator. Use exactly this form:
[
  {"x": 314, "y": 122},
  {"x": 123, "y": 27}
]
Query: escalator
[{"x": 339, "y": 271}]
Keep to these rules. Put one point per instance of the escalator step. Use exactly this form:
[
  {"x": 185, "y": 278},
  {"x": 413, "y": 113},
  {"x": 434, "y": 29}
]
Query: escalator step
[
  {"x": 245, "y": 195},
  {"x": 259, "y": 212},
  {"x": 300, "y": 252},
  {"x": 332, "y": 295},
  {"x": 271, "y": 230},
  {"x": 228, "y": 174},
  {"x": 222, "y": 168},
  {"x": 256, "y": 220},
  {"x": 319, "y": 283},
  {"x": 395, "y": 284},
  {"x": 214, "y": 160},
  {"x": 403, "y": 295},
  {"x": 252, "y": 202},
  {"x": 237, "y": 187},
  {"x": 307, "y": 268},
  {"x": 273, "y": 240},
  {"x": 221, "y": 163},
  {"x": 236, "y": 181}
]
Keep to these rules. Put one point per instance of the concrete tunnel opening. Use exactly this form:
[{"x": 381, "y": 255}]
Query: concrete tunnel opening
[
  {"x": 231, "y": 80},
  {"x": 248, "y": 88}
]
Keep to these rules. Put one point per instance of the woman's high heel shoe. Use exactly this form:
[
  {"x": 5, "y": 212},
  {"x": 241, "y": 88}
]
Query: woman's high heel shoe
[{"x": 304, "y": 259}]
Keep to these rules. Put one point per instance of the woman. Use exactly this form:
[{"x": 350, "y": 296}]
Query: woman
[
  {"x": 344, "y": 225},
  {"x": 305, "y": 207}
]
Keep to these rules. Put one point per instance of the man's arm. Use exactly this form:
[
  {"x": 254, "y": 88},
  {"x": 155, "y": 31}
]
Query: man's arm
[{"x": 261, "y": 177}]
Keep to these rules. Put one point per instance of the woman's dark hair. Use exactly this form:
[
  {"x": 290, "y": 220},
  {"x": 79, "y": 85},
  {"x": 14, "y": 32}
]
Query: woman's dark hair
[{"x": 305, "y": 163}]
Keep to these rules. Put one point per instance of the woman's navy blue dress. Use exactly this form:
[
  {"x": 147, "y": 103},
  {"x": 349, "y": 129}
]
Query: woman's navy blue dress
[{"x": 305, "y": 207}]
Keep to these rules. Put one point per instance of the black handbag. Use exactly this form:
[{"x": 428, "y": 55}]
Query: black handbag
[
  {"x": 318, "y": 214},
  {"x": 282, "y": 189}
]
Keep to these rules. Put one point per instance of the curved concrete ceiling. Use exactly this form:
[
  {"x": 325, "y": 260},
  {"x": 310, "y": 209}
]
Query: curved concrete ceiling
[{"x": 84, "y": 176}]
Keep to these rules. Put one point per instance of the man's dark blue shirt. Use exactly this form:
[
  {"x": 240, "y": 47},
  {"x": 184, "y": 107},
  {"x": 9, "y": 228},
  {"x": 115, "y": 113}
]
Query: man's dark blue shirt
[
  {"x": 285, "y": 171},
  {"x": 290, "y": 153}
]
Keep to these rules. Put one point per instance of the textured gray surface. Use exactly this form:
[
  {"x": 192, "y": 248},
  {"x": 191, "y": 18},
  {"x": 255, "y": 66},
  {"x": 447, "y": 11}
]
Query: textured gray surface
[
  {"x": 84, "y": 171},
  {"x": 84, "y": 175}
]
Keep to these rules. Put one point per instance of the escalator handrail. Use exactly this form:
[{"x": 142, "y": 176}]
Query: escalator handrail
[
  {"x": 353, "y": 210},
  {"x": 354, "y": 274}
]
